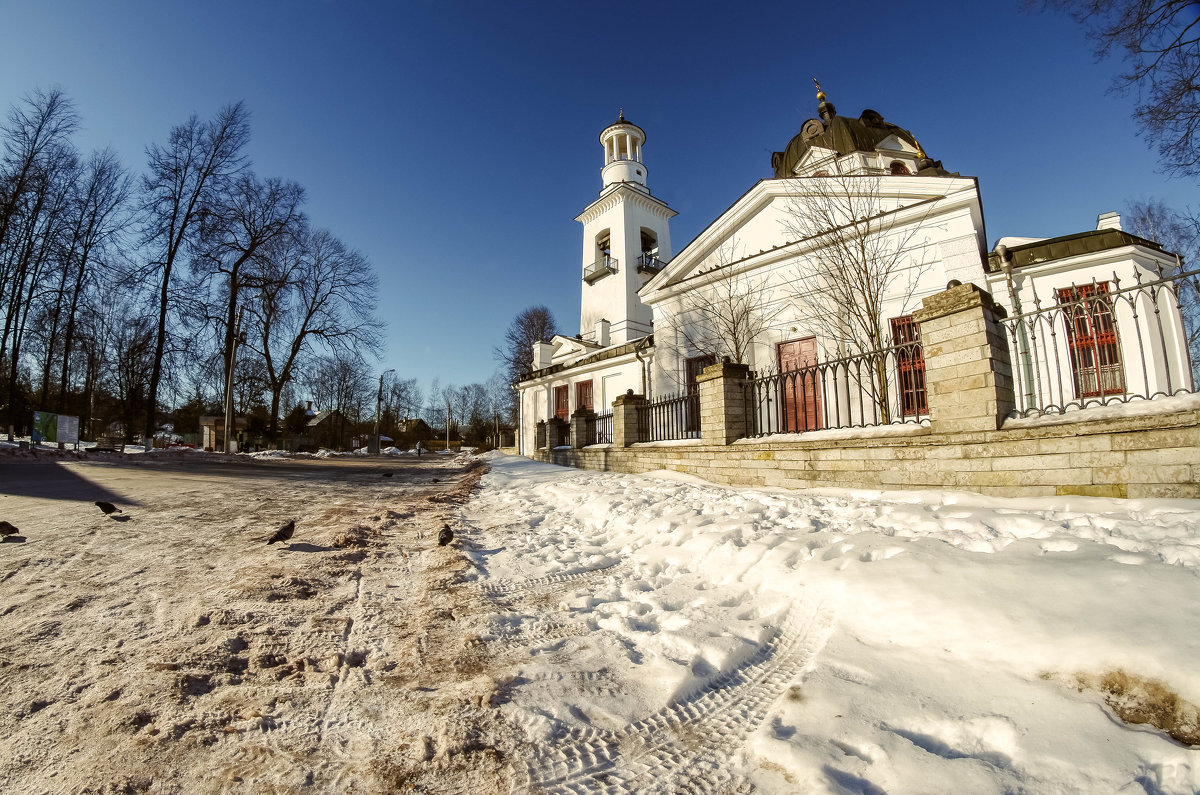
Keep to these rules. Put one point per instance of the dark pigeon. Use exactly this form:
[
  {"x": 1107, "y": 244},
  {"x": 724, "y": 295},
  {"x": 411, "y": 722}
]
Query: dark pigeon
[
  {"x": 107, "y": 507},
  {"x": 284, "y": 532},
  {"x": 445, "y": 536},
  {"x": 7, "y": 529}
]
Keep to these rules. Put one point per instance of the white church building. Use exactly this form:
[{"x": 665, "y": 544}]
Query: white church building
[{"x": 829, "y": 258}]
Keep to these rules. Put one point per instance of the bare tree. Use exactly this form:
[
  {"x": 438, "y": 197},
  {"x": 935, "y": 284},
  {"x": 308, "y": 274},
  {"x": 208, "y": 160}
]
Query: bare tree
[
  {"x": 1159, "y": 40},
  {"x": 1177, "y": 232},
  {"x": 314, "y": 290},
  {"x": 533, "y": 324},
  {"x": 234, "y": 235},
  {"x": 36, "y": 131},
  {"x": 97, "y": 217},
  {"x": 188, "y": 178},
  {"x": 724, "y": 312},
  {"x": 859, "y": 258},
  {"x": 34, "y": 236}
]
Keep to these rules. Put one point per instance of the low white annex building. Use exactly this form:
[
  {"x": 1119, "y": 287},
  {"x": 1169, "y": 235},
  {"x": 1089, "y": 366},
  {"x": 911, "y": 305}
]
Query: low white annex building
[{"x": 827, "y": 260}]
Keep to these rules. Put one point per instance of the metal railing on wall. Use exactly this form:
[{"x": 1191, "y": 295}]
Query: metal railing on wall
[
  {"x": 1106, "y": 342},
  {"x": 880, "y": 387},
  {"x": 670, "y": 417},
  {"x": 604, "y": 429}
]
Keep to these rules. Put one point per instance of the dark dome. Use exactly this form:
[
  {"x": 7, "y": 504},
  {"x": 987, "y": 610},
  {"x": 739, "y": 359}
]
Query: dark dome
[{"x": 842, "y": 135}]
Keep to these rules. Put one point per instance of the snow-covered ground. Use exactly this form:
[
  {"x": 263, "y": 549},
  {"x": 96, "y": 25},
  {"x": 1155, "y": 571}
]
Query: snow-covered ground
[
  {"x": 673, "y": 635},
  {"x": 583, "y": 632}
]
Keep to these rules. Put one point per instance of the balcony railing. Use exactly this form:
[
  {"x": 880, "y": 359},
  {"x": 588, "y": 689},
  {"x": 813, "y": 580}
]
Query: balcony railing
[
  {"x": 650, "y": 263},
  {"x": 599, "y": 269}
]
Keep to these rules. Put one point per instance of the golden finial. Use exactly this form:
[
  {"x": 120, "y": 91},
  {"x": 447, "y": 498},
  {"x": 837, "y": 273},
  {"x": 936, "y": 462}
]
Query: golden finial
[
  {"x": 620, "y": 113},
  {"x": 820, "y": 93}
]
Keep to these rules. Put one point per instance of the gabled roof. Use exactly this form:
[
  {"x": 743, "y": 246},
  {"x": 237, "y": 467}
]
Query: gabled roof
[{"x": 690, "y": 261}]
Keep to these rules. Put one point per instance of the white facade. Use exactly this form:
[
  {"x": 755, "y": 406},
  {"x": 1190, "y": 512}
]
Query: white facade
[
  {"x": 760, "y": 256},
  {"x": 934, "y": 226},
  {"x": 626, "y": 240}
]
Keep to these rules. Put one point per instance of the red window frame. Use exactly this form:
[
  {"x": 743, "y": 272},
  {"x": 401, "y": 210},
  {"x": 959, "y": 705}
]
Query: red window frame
[
  {"x": 1092, "y": 340},
  {"x": 910, "y": 364},
  {"x": 562, "y": 409},
  {"x": 583, "y": 395}
]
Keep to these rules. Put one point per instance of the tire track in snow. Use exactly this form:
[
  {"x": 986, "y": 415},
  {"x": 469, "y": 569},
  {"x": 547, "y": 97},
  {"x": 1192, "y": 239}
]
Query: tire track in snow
[{"x": 686, "y": 746}]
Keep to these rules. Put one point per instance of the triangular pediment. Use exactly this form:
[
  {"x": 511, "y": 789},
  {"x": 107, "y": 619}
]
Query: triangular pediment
[
  {"x": 567, "y": 348},
  {"x": 894, "y": 143}
]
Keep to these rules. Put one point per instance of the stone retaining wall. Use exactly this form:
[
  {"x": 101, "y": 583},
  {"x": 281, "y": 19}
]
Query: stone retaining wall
[{"x": 967, "y": 444}]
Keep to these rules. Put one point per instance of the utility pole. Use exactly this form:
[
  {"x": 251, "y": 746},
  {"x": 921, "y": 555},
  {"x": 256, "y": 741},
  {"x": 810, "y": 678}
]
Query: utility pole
[
  {"x": 447, "y": 424},
  {"x": 378, "y": 407},
  {"x": 237, "y": 337}
]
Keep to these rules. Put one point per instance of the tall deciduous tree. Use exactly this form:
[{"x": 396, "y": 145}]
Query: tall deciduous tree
[
  {"x": 1159, "y": 40},
  {"x": 315, "y": 291},
  {"x": 188, "y": 177},
  {"x": 534, "y": 324}
]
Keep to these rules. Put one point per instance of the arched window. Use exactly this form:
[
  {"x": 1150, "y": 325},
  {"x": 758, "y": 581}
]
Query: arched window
[{"x": 898, "y": 169}]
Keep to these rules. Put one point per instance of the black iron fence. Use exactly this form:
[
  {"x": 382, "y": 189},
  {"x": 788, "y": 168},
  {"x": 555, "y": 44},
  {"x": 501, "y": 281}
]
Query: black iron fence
[
  {"x": 670, "y": 417},
  {"x": 604, "y": 429},
  {"x": 881, "y": 387},
  {"x": 1105, "y": 342}
]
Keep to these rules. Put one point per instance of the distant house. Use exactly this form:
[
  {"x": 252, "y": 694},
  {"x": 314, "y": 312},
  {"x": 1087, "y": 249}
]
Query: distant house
[
  {"x": 412, "y": 431},
  {"x": 212, "y": 433},
  {"x": 330, "y": 429}
]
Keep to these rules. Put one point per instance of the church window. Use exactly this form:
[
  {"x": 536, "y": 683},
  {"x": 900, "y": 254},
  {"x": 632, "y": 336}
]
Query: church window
[
  {"x": 910, "y": 366},
  {"x": 561, "y": 409},
  {"x": 1092, "y": 340},
  {"x": 898, "y": 169}
]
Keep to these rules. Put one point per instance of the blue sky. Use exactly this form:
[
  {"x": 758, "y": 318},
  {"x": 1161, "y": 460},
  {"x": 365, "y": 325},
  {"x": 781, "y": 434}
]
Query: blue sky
[{"x": 454, "y": 142}]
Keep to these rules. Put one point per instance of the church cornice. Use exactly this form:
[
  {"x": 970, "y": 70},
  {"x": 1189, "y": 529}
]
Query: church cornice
[{"x": 623, "y": 193}]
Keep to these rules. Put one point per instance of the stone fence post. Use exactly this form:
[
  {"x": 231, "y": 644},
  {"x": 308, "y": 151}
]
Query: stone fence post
[
  {"x": 968, "y": 373},
  {"x": 723, "y": 402},
  {"x": 557, "y": 432},
  {"x": 625, "y": 419},
  {"x": 583, "y": 428}
]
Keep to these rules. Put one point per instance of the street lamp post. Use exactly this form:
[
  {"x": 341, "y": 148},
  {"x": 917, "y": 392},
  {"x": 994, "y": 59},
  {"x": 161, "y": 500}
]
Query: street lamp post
[{"x": 378, "y": 408}]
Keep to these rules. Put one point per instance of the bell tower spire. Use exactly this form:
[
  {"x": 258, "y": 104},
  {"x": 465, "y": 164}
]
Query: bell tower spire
[
  {"x": 622, "y": 141},
  {"x": 626, "y": 240}
]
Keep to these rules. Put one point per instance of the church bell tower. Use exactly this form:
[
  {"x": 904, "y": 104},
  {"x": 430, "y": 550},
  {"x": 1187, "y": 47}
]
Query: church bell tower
[{"x": 626, "y": 240}]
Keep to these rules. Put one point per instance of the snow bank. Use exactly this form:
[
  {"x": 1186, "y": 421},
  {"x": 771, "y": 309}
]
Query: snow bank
[{"x": 918, "y": 640}]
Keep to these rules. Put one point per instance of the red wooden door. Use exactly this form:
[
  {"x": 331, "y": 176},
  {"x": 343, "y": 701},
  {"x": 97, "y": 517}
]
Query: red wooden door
[
  {"x": 561, "y": 409},
  {"x": 583, "y": 395},
  {"x": 799, "y": 385}
]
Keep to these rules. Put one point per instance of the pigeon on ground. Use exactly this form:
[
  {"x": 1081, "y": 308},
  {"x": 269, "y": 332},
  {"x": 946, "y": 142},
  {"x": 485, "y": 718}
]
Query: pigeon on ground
[
  {"x": 107, "y": 507},
  {"x": 7, "y": 529},
  {"x": 445, "y": 536},
  {"x": 284, "y": 532}
]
